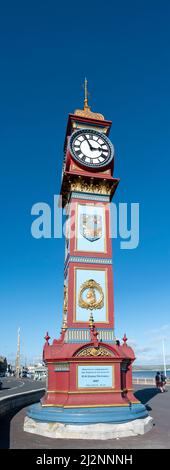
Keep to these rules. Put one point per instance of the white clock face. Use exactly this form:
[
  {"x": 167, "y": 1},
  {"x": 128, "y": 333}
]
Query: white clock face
[{"x": 91, "y": 148}]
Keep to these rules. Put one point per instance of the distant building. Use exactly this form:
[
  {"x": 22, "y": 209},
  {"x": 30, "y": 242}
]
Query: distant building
[
  {"x": 37, "y": 371},
  {"x": 3, "y": 365}
]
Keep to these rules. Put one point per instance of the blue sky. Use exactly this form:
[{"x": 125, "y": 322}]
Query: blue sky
[{"x": 47, "y": 48}]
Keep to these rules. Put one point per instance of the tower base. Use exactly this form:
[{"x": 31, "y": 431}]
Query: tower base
[{"x": 88, "y": 423}]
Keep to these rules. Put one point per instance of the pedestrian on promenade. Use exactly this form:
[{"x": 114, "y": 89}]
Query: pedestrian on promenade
[
  {"x": 163, "y": 381},
  {"x": 158, "y": 381}
]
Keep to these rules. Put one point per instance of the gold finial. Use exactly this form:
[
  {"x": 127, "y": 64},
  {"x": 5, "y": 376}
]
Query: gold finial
[
  {"x": 86, "y": 93},
  {"x": 91, "y": 320},
  {"x": 64, "y": 325}
]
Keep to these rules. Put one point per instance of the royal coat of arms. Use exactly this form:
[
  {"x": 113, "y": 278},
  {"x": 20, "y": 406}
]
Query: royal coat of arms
[{"x": 91, "y": 226}]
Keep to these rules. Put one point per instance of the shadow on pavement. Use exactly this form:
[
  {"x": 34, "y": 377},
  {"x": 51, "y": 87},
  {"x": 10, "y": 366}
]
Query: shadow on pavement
[
  {"x": 5, "y": 430},
  {"x": 145, "y": 394},
  {"x": 5, "y": 422}
]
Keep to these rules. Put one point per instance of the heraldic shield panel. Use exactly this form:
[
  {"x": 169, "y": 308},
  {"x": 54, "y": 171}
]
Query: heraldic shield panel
[
  {"x": 91, "y": 295},
  {"x": 90, "y": 234}
]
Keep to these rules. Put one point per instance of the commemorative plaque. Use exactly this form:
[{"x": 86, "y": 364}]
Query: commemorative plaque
[{"x": 95, "y": 376}]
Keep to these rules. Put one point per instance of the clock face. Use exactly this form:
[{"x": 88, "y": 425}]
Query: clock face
[{"x": 91, "y": 148}]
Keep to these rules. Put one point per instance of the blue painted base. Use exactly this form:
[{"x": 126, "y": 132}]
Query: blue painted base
[{"x": 79, "y": 416}]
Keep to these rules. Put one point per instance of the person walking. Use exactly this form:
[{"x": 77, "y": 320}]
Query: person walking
[
  {"x": 158, "y": 381},
  {"x": 163, "y": 381}
]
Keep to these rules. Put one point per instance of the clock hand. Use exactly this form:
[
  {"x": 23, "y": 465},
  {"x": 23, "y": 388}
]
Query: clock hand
[
  {"x": 102, "y": 150},
  {"x": 91, "y": 148},
  {"x": 98, "y": 148}
]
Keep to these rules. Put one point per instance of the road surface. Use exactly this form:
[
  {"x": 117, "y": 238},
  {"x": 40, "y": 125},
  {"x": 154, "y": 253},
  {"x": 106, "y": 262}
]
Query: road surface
[{"x": 11, "y": 385}]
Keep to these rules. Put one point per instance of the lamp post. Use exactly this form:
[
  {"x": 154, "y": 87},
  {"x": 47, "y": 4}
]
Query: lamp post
[
  {"x": 163, "y": 349},
  {"x": 18, "y": 355}
]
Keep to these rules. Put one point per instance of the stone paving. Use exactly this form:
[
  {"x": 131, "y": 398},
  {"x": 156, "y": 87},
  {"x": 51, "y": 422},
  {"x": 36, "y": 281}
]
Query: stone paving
[{"x": 12, "y": 435}]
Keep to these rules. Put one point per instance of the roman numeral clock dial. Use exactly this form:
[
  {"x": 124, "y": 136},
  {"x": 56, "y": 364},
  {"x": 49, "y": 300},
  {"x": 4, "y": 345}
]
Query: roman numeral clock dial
[{"x": 91, "y": 148}]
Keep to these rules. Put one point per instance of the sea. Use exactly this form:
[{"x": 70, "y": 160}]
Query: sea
[{"x": 147, "y": 374}]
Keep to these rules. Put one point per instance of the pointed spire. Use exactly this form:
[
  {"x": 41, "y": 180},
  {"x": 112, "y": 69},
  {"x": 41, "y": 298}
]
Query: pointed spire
[
  {"x": 47, "y": 337},
  {"x": 124, "y": 338},
  {"x": 86, "y": 111}
]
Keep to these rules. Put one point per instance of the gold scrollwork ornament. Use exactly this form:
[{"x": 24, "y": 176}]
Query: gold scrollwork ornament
[{"x": 90, "y": 351}]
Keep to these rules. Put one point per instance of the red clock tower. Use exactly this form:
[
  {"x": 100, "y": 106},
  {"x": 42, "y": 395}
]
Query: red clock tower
[{"x": 89, "y": 372}]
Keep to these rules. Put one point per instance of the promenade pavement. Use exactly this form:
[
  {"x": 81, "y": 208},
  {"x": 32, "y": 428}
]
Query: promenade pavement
[{"x": 12, "y": 435}]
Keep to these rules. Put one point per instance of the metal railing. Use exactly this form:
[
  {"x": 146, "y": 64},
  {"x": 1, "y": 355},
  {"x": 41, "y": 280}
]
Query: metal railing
[{"x": 146, "y": 381}]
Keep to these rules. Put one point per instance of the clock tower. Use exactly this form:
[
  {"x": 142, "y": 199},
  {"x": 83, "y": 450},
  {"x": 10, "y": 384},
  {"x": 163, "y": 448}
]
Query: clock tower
[{"x": 89, "y": 372}]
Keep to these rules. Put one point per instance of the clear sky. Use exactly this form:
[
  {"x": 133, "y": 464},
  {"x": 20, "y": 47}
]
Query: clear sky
[{"x": 47, "y": 48}]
